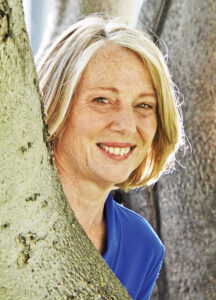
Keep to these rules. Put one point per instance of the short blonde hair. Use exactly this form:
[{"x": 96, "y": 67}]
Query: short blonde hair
[{"x": 61, "y": 68}]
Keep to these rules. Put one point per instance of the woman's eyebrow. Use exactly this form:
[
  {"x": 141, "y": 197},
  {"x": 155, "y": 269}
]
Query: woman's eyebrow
[
  {"x": 146, "y": 95},
  {"x": 116, "y": 91},
  {"x": 113, "y": 89}
]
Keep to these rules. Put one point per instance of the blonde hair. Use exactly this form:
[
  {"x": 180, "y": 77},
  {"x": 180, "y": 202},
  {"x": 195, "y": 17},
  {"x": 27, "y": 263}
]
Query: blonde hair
[{"x": 61, "y": 68}]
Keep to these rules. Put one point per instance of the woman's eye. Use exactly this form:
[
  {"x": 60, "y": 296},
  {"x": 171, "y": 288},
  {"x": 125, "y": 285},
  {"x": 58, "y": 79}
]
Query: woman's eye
[
  {"x": 145, "y": 105},
  {"x": 100, "y": 100}
]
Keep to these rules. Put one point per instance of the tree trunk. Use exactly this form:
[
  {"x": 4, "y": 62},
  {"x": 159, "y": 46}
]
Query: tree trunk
[
  {"x": 187, "y": 198},
  {"x": 44, "y": 253},
  {"x": 188, "y": 206}
]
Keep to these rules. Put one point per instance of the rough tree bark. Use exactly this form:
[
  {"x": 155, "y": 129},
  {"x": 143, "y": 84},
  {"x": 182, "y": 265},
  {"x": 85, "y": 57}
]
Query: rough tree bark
[
  {"x": 44, "y": 253},
  {"x": 188, "y": 206},
  {"x": 187, "y": 198}
]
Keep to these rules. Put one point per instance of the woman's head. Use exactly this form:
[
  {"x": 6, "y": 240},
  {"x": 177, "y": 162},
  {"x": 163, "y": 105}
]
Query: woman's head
[{"x": 62, "y": 67}]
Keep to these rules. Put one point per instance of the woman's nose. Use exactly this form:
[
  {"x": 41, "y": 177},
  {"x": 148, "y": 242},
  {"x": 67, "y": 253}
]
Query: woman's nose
[{"x": 123, "y": 121}]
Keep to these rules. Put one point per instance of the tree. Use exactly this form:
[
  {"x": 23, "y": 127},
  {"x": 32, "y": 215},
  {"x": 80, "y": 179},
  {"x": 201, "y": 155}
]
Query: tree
[
  {"x": 190, "y": 204},
  {"x": 44, "y": 252},
  {"x": 187, "y": 198}
]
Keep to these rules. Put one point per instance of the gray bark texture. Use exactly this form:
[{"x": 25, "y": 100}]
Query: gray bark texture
[
  {"x": 188, "y": 197},
  {"x": 44, "y": 253}
]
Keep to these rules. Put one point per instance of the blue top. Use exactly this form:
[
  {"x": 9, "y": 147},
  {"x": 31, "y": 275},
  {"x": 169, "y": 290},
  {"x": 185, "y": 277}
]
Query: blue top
[{"x": 134, "y": 251}]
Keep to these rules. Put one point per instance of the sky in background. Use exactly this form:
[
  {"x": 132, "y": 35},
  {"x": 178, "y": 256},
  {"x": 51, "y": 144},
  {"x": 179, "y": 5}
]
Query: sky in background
[{"x": 35, "y": 12}]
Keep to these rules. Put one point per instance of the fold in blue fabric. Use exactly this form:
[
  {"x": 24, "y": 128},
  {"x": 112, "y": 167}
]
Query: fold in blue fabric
[{"x": 134, "y": 251}]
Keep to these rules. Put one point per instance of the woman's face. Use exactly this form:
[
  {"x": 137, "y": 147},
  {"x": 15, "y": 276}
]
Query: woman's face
[{"x": 113, "y": 120}]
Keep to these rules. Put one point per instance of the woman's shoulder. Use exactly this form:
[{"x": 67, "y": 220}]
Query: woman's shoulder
[
  {"x": 135, "y": 252},
  {"x": 136, "y": 229},
  {"x": 130, "y": 233}
]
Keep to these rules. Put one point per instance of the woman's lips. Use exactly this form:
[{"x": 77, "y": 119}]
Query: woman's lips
[
  {"x": 119, "y": 145},
  {"x": 116, "y": 151}
]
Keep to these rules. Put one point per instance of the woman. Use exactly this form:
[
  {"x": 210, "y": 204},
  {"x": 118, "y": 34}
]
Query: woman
[{"x": 113, "y": 123}]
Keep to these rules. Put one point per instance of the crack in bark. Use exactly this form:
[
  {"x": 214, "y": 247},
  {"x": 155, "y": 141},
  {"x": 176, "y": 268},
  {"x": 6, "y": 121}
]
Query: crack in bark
[
  {"x": 27, "y": 241},
  {"x": 162, "y": 282},
  {"x": 161, "y": 17},
  {"x": 4, "y": 21},
  {"x": 153, "y": 195}
]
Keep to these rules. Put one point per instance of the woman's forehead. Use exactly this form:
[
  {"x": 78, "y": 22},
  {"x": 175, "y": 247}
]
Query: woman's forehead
[
  {"x": 112, "y": 53},
  {"x": 113, "y": 63}
]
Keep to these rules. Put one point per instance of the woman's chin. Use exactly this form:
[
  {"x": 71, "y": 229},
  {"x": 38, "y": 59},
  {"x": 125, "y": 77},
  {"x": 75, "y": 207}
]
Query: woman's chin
[
  {"x": 119, "y": 176},
  {"x": 113, "y": 181}
]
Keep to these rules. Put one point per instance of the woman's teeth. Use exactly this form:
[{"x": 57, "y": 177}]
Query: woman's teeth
[{"x": 116, "y": 150}]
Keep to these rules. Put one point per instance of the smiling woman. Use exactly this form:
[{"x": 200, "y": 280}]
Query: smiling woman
[
  {"x": 113, "y": 123},
  {"x": 107, "y": 119}
]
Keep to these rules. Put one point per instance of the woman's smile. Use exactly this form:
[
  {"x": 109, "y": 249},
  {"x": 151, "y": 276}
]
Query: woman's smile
[{"x": 116, "y": 151}]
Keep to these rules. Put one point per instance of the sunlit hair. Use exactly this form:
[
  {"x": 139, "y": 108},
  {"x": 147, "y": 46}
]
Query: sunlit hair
[{"x": 61, "y": 68}]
